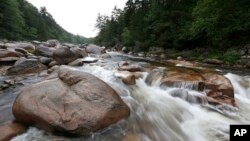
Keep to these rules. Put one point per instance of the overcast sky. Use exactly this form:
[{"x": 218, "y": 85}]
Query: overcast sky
[{"x": 78, "y": 16}]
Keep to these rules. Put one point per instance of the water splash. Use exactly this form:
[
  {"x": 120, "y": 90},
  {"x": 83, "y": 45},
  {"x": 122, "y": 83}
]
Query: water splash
[{"x": 169, "y": 114}]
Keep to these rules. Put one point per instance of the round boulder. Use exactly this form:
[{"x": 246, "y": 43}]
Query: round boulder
[
  {"x": 45, "y": 51},
  {"x": 75, "y": 103},
  {"x": 65, "y": 55}
]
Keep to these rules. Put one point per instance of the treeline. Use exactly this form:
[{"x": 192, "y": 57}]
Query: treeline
[
  {"x": 20, "y": 20},
  {"x": 176, "y": 24}
]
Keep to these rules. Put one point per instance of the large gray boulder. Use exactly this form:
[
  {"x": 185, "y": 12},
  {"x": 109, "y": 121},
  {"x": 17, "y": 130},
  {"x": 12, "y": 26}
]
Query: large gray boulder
[
  {"x": 65, "y": 55},
  {"x": 26, "y": 66},
  {"x": 72, "y": 101},
  {"x": 45, "y": 51},
  {"x": 94, "y": 49}
]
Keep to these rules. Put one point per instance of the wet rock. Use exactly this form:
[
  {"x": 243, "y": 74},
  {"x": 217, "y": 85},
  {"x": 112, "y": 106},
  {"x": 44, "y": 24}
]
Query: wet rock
[
  {"x": 77, "y": 62},
  {"x": 154, "y": 76},
  {"x": 23, "y": 51},
  {"x": 10, "y": 130},
  {"x": 123, "y": 63},
  {"x": 130, "y": 68},
  {"x": 65, "y": 55},
  {"x": 9, "y": 81},
  {"x": 75, "y": 102},
  {"x": 9, "y": 59},
  {"x": 131, "y": 137},
  {"x": 26, "y": 46},
  {"x": 45, "y": 60},
  {"x": 79, "y": 52},
  {"x": 69, "y": 45},
  {"x": 217, "y": 87},
  {"x": 52, "y": 69},
  {"x": 9, "y": 53},
  {"x": 26, "y": 66},
  {"x": 53, "y": 43},
  {"x": 53, "y": 63},
  {"x": 45, "y": 51},
  {"x": 213, "y": 61},
  {"x": 32, "y": 57},
  {"x": 3, "y": 70},
  {"x": 185, "y": 95},
  {"x": 91, "y": 48},
  {"x": 126, "y": 77},
  {"x": 105, "y": 56}
]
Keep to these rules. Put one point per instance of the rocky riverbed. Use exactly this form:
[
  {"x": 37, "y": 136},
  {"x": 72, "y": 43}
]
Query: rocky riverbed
[{"x": 50, "y": 90}]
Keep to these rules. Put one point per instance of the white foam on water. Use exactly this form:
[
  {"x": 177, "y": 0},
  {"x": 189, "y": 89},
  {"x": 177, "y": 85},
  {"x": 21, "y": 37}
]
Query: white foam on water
[{"x": 158, "y": 116}]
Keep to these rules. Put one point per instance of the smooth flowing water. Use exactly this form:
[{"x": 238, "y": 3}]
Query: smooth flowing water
[{"x": 156, "y": 115}]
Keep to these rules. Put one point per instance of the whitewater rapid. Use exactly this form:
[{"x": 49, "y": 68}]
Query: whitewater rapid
[{"x": 158, "y": 116}]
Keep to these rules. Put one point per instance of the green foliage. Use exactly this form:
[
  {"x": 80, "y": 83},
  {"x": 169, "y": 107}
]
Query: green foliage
[
  {"x": 226, "y": 56},
  {"x": 126, "y": 37},
  {"x": 11, "y": 22},
  {"x": 220, "y": 21},
  {"x": 20, "y": 20},
  {"x": 178, "y": 24}
]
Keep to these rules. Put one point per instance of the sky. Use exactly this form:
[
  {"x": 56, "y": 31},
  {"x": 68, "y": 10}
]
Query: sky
[{"x": 78, "y": 16}]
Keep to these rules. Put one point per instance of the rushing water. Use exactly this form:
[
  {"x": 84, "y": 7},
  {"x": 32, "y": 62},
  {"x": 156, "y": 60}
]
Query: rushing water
[{"x": 156, "y": 115}]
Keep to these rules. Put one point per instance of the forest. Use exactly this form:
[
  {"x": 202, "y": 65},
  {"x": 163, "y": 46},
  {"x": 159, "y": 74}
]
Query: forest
[
  {"x": 178, "y": 24},
  {"x": 20, "y": 20}
]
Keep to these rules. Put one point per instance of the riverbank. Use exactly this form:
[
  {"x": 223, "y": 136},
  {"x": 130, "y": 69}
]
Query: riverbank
[{"x": 235, "y": 57}]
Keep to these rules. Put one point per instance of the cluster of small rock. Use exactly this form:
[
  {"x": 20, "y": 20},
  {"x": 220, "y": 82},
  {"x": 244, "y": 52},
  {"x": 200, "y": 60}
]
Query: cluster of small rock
[
  {"x": 37, "y": 56},
  {"x": 68, "y": 100}
]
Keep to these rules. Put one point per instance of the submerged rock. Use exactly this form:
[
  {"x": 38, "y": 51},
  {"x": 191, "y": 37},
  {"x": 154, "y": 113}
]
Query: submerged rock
[
  {"x": 10, "y": 130},
  {"x": 218, "y": 88},
  {"x": 74, "y": 102},
  {"x": 126, "y": 77}
]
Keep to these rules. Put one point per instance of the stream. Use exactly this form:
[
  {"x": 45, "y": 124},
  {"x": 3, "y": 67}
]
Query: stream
[{"x": 155, "y": 114}]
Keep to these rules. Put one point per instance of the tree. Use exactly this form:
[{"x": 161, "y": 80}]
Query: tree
[
  {"x": 11, "y": 21},
  {"x": 221, "y": 21}
]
